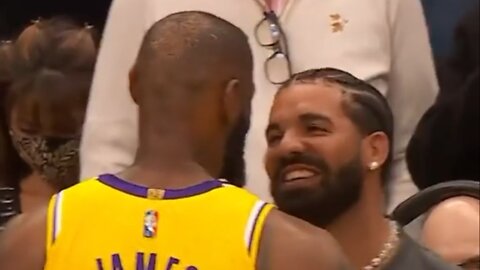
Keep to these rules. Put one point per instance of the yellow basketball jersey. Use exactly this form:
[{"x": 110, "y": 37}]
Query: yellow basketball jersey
[{"x": 107, "y": 223}]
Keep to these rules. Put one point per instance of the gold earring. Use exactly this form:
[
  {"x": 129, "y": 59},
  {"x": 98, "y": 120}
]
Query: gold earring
[{"x": 373, "y": 166}]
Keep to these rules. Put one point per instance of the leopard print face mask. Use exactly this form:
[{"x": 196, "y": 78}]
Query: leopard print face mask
[{"x": 56, "y": 159}]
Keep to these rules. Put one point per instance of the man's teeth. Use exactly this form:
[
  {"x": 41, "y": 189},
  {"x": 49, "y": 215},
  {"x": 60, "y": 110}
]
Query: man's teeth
[{"x": 298, "y": 174}]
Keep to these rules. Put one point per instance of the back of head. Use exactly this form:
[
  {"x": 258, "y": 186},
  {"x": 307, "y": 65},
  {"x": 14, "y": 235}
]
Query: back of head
[
  {"x": 193, "y": 78},
  {"x": 192, "y": 41},
  {"x": 440, "y": 231},
  {"x": 51, "y": 67}
]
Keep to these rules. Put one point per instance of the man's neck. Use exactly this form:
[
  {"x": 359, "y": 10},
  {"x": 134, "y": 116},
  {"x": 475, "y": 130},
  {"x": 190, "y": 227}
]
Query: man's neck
[
  {"x": 165, "y": 162},
  {"x": 362, "y": 231},
  {"x": 181, "y": 175}
]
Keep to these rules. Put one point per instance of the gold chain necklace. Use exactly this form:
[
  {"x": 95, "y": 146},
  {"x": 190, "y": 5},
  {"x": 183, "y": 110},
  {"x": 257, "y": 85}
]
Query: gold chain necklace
[{"x": 388, "y": 249}]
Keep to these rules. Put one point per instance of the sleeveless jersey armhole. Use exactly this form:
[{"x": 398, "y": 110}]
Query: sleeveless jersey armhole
[
  {"x": 53, "y": 220},
  {"x": 254, "y": 228}
]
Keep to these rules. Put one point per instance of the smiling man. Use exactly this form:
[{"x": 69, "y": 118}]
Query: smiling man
[{"x": 329, "y": 152}]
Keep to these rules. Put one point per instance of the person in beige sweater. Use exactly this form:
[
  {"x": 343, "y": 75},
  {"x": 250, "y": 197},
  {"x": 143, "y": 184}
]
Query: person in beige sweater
[{"x": 384, "y": 42}]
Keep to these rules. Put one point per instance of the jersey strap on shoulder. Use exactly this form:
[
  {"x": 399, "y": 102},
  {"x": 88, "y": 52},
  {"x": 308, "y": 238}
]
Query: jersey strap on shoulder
[
  {"x": 254, "y": 228},
  {"x": 54, "y": 219}
]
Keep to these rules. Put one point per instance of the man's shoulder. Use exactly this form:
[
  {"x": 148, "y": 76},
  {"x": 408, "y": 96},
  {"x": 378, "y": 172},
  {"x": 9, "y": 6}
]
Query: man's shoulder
[
  {"x": 298, "y": 232},
  {"x": 291, "y": 243},
  {"x": 24, "y": 230}
]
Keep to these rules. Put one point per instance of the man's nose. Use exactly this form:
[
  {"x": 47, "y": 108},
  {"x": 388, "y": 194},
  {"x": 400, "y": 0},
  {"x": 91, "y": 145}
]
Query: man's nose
[{"x": 292, "y": 143}]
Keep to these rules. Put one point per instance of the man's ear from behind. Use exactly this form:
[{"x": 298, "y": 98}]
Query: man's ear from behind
[
  {"x": 133, "y": 83},
  {"x": 232, "y": 102}
]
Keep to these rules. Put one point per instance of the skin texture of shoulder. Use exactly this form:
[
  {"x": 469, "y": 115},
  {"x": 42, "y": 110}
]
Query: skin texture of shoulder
[
  {"x": 22, "y": 244},
  {"x": 290, "y": 243},
  {"x": 451, "y": 229}
]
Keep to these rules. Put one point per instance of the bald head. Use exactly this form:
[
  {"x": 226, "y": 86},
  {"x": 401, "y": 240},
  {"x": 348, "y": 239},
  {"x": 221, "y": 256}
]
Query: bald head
[
  {"x": 193, "y": 48},
  {"x": 451, "y": 229},
  {"x": 193, "y": 77}
]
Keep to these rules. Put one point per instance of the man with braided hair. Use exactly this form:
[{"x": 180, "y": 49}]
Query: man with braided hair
[{"x": 329, "y": 154}]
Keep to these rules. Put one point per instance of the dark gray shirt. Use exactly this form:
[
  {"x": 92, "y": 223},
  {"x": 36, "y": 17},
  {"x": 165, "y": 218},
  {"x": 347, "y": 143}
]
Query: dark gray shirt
[{"x": 412, "y": 256}]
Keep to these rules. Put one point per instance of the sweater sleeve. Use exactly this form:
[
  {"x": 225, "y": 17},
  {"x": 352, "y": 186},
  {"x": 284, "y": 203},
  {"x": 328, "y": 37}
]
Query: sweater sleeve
[
  {"x": 110, "y": 130},
  {"x": 413, "y": 83}
]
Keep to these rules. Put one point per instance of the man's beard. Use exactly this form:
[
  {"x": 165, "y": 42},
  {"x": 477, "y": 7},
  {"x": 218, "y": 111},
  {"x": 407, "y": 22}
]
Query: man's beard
[
  {"x": 233, "y": 162},
  {"x": 336, "y": 193}
]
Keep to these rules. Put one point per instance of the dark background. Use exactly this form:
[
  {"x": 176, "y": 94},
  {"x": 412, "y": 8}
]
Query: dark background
[{"x": 16, "y": 14}]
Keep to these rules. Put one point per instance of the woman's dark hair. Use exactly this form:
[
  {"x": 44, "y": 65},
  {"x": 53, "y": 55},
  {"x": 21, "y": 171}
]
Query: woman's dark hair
[
  {"x": 50, "y": 59},
  {"x": 50, "y": 54}
]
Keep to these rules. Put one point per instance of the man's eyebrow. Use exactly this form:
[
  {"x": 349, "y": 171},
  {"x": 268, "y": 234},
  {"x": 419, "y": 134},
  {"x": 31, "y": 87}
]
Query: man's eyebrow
[{"x": 309, "y": 117}]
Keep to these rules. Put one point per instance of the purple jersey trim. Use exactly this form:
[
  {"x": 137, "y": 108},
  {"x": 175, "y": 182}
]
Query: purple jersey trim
[{"x": 170, "y": 194}]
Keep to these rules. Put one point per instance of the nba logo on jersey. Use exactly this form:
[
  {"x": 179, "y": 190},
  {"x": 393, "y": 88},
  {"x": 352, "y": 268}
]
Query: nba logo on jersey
[{"x": 150, "y": 224}]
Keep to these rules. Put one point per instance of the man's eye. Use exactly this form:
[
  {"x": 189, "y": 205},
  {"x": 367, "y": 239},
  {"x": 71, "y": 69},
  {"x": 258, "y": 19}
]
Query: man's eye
[
  {"x": 316, "y": 128},
  {"x": 273, "y": 138}
]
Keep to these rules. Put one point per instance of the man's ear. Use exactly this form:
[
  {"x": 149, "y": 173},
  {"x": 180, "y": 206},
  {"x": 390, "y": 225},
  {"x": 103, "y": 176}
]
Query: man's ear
[
  {"x": 133, "y": 84},
  {"x": 376, "y": 150},
  {"x": 232, "y": 102}
]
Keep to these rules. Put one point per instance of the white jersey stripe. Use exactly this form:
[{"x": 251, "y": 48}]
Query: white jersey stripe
[
  {"x": 57, "y": 216},
  {"x": 252, "y": 219}
]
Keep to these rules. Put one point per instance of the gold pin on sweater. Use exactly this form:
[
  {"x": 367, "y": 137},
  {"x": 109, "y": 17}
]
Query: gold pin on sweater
[{"x": 337, "y": 23}]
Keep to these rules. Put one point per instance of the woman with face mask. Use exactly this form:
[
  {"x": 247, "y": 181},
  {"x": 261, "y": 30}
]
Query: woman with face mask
[{"x": 50, "y": 69}]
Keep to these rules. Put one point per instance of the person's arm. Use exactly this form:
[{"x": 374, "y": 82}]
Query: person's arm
[
  {"x": 413, "y": 84},
  {"x": 289, "y": 243},
  {"x": 110, "y": 132},
  {"x": 22, "y": 243}
]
